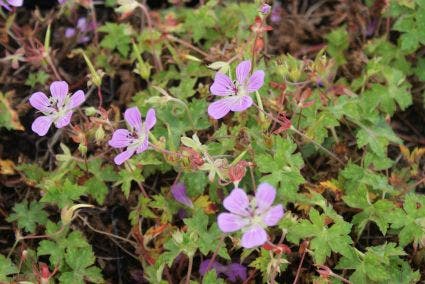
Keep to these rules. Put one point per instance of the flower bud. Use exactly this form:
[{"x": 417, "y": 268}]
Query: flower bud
[{"x": 99, "y": 135}]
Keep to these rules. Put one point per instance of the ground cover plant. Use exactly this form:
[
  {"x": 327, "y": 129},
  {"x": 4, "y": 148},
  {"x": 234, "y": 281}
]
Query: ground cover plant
[{"x": 212, "y": 141}]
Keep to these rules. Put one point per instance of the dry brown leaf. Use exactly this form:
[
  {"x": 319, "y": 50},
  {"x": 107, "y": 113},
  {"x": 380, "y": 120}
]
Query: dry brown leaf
[{"x": 7, "y": 167}]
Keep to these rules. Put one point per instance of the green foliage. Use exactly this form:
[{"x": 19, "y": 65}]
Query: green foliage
[
  {"x": 126, "y": 178},
  {"x": 282, "y": 167},
  {"x": 8, "y": 116},
  {"x": 412, "y": 222},
  {"x": 379, "y": 264},
  {"x": 201, "y": 21},
  {"x": 382, "y": 212},
  {"x": 337, "y": 44},
  {"x": 39, "y": 77},
  {"x": 211, "y": 278},
  {"x": 356, "y": 87},
  {"x": 28, "y": 215},
  {"x": 80, "y": 261},
  {"x": 208, "y": 239},
  {"x": 118, "y": 37},
  {"x": 7, "y": 268},
  {"x": 64, "y": 194},
  {"x": 324, "y": 238},
  {"x": 411, "y": 26}
]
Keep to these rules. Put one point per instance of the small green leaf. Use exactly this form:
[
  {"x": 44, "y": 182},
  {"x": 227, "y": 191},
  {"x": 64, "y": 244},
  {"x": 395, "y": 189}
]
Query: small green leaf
[{"x": 28, "y": 216}]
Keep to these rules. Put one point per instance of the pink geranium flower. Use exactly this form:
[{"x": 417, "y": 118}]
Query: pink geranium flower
[
  {"x": 7, "y": 3},
  {"x": 236, "y": 93},
  {"x": 57, "y": 109},
  {"x": 136, "y": 140},
  {"x": 179, "y": 193},
  {"x": 251, "y": 216},
  {"x": 81, "y": 30},
  {"x": 233, "y": 271}
]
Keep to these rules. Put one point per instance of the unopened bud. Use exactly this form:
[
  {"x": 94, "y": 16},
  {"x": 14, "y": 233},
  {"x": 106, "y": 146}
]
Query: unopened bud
[
  {"x": 99, "y": 135},
  {"x": 67, "y": 214}
]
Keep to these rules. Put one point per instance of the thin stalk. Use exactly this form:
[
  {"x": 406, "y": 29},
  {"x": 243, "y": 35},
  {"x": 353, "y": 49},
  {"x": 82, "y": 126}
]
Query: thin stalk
[
  {"x": 215, "y": 253},
  {"x": 189, "y": 269},
  {"x": 317, "y": 144},
  {"x": 260, "y": 106},
  {"x": 304, "y": 136}
]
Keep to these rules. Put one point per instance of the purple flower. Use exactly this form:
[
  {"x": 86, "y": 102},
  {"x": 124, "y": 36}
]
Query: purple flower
[
  {"x": 136, "y": 140},
  {"x": 62, "y": 1},
  {"x": 232, "y": 271},
  {"x": 7, "y": 3},
  {"x": 265, "y": 9},
  {"x": 236, "y": 93},
  {"x": 57, "y": 109},
  {"x": 81, "y": 30},
  {"x": 250, "y": 216},
  {"x": 179, "y": 193},
  {"x": 276, "y": 15}
]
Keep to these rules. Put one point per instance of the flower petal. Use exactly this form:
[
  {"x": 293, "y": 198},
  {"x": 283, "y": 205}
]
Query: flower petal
[
  {"x": 265, "y": 196},
  {"x": 255, "y": 236},
  {"x": 274, "y": 215},
  {"x": 179, "y": 193},
  {"x": 59, "y": 90},
  {"x": 237, "y": 202},
  {"x": 120, "y": 139},
  {"x": 133, "y": 118},
  {"x": 228, "y": 222},
  {"x": 82, "y": 24},
  {"x": 150, "y": 120},
  {"x": 64, "y": 120},
  {"x": 41, "y": 125},
  {"x": 234, "y": 271},
  {"x": 16, "y": 3},
  {"x": 214, "y": 265},
  {"x": 222, "y": 85},
  {"x": 70, "y": 32},
  {"x": 76, "y": 100},
  {"x": 40, "y": 101},
  {"x": 219, "y": 109},
  {"x": 240, "y": 103},
  {"x": 256, "y": 81},
  {"x": 144, "y": 146},
  {"x": 242, "y": 71},
  {"x": 124, "y": 156}
]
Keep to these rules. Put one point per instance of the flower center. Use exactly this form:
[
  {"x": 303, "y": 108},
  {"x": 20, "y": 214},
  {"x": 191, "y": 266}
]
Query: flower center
[
  {"x": 137, "y": 137},
  {"x": 241, "y": 89}
]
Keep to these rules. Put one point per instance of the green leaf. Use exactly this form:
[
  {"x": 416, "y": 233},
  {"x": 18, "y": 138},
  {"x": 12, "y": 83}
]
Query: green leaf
[
  {"x": 80, "y": 260},
  {"x": 39, "y": 77},
  {"x": 337, "y": 44},
  {"x": 6, "y": 269},
  {"x": 64, "y": 194},
  {"x": 28, "y": 216},
  {"x": 9, "y": 118},
  {"x": 118, "y": 37},
  {"x": 199, "y": 21},
  {"x": 126, "y": 177},
  {"x": 324, "y": 239},
  {"x": 185, "y": 89},
  {"x": 283, "y": 168},
  {"x": 412, "y": 222},
  {"x": 380, "y": 264},
  {"x": 56, "y": 248},
  {"x": 211, "y": 278},
  {"x": 208, "y": 238}
]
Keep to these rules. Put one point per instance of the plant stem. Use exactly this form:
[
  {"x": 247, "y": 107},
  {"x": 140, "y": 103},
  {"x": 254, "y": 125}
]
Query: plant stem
[
  {"x": 215, "y": 253},
  {"x": 189, "y": 269},
  {"x": 317, "y": 144},
  {"x": 260, "y": 106},
  {"x": 299, "y": 266}
]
